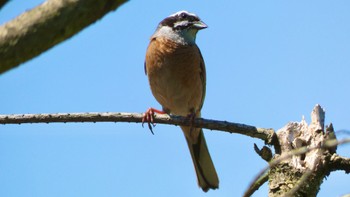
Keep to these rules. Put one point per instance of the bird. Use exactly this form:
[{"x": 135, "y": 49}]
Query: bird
[{"x": 177, "y": 78}]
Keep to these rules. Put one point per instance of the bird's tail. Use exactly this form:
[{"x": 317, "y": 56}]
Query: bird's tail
[{"x": 206, "y": 174}]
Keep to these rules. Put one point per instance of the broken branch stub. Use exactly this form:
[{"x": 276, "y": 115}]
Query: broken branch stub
[{"x": 288, "y": 174}]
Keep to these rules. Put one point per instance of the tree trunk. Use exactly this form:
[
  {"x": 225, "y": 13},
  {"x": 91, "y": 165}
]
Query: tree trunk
[{"x": 300, "y": 173}]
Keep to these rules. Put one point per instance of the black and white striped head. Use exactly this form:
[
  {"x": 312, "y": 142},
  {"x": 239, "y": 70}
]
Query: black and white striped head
[
  {"x": 183, "y": 20},
  {"x": 181, "y": 27}
]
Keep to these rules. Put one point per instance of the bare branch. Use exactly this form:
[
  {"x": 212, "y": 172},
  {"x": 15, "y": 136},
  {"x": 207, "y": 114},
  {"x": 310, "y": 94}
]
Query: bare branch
[
  {"x": 267, "y": 135},
  {"x": 265, "y": 152},
  {"x": 338, "y": 162},
  {"x": 256, "y": 185},
  {"x": 50, "y": 23},
  {"x": 3, "y": 3}
]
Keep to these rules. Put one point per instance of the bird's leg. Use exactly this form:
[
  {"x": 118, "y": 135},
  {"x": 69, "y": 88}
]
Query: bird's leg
[{"x": 148, "y": 117}]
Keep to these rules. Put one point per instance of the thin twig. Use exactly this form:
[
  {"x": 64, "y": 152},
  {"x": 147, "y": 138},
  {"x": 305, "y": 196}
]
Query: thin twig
[
  {"x": 267, "y": 135},
  {"x": 253, "y": 188},
  {"x": 299, "y": 184}
]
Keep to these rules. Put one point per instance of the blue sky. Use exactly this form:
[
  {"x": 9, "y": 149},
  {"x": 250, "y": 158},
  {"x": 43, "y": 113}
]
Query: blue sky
[{"x": 268, "y": 63}]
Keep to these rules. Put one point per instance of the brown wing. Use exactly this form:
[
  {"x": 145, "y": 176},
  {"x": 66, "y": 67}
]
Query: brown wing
[
  {"x": 144, "y": 64},
  {"x": 203, "y": 78}
]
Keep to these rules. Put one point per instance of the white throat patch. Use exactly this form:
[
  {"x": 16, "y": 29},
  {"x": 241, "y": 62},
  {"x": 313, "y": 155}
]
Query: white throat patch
[{"x": 185, "y": 37}]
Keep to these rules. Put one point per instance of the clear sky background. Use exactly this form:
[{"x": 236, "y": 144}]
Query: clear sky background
[{"x": 268, "y": 63}]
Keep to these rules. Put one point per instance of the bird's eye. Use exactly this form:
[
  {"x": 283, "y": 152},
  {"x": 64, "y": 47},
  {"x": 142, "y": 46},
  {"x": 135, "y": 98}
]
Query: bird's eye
[
  {"x": 183, "y": 15},
  {"x": 191, "y": 18}
]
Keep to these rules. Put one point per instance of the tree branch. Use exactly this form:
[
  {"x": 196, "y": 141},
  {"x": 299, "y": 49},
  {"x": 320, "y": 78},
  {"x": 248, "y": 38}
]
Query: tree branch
[
  {"x": 338, "y": 162},
  {"x": 267, "y": 135},
  {"x": 50, "y": 23},
  {"x": 3, "y": 3},
  {"x": 256, "y": 185}
]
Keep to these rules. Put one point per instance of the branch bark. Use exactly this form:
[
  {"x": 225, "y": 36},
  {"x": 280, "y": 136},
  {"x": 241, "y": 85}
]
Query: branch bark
[
  {"x": 338, "y": 162},
  {"x": 268, "y": 135},
  {"x": 50, "y": 23},
  {"x": 289, "y": 173},
  {"x": 307, "y": 153},
  {"x": 307, "y": 156}
]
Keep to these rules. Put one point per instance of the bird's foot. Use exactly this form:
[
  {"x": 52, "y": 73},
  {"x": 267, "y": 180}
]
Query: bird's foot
[{"x": 148, "y": 117}]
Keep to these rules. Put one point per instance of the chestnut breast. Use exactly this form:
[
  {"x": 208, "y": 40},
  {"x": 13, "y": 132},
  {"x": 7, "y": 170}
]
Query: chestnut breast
[{"x": 176, "y": 75}]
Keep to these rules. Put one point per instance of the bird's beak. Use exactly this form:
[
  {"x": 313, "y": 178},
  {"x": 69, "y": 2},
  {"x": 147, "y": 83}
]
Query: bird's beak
[{"x": 200, "y": 25}]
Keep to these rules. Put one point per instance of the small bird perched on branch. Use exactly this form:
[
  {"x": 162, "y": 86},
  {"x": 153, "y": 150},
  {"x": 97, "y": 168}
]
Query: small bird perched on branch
[{"x": 176, "y": 74}]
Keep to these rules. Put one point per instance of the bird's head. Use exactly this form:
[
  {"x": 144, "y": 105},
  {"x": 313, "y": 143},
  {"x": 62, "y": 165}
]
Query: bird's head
[{"x": 180, "y": 27}]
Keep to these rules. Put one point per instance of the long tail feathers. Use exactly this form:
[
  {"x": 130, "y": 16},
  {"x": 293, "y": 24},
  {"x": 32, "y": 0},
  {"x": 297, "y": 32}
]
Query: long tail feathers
[{"x": 205, "y": 170}]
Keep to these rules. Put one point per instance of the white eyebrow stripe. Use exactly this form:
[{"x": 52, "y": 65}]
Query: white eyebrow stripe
[
  {"x": 183, "y": 11},
  {"x": 180, "y": 23}
]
